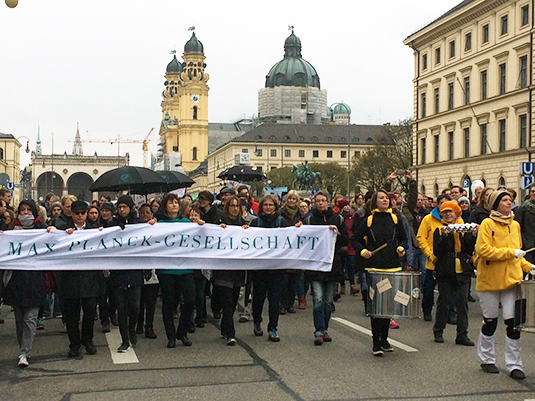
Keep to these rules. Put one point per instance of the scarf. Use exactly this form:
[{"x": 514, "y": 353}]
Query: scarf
[
  {"x": 378, "y": 211},
  {"x": 291, "y": 210},
  {"x": 26, "y": 221},
  {"x": 500, "y": 218},
  {"x": 529, "y": 205}
]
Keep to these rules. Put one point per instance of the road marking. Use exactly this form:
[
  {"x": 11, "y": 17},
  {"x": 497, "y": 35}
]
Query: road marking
[
  {"x": 369, "y": 333},
  {"x": 114, "y": 340}
]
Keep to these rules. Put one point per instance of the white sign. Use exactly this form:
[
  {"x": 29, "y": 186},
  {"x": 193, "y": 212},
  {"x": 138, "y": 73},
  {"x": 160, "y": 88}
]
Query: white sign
[
  {"x": 10, "y": 185},
  {"x": 242, "y": 158},
  {"x": 526, "y": 182},
  {"x": 170, "y": 246},
  {"x": 527, "y": 168}
]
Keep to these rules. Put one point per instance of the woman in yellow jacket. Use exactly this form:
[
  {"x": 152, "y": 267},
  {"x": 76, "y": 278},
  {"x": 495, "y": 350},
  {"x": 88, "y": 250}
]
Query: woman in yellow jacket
[{"x": 500, "y": 264}]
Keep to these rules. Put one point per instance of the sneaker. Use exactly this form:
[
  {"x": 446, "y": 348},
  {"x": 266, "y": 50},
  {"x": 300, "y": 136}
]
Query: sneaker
[
  {"x": 516, "y": 374},
  {"x": 273, "y": 336},
  {"x": 149, "y": 333},
  {"x": 105, "y": 328},
  {"x": 186, "y": 342},
  {"x": 231, "y": 341},
  {"x": 124, "y": 347},
  {"x": 326, "y": 337},
  {"x": 318, "y": 340},
  {"x": 377, "y": 350},
  {"x": 258, "y": 330},
  {"x": 91, "y": 349},
  {"x": 386, "y": 347},
  {"x": 133, "y": 337},
  {"x": 40, "y": 325},
  {"x": 428, "y": 318},
  {"x": 490, "y": 368},
  {"x": 452, "y": 320},
  {"x": 58, "y": 316},
  {"x": 393, "y": 324},
  {"x": 23, "y": 361},
  {"x": 243, "y": 319},
  {"x": 439, "y": 339},
  {"x": 464, "y": 340},
  {"x": 290, "y": 309}
]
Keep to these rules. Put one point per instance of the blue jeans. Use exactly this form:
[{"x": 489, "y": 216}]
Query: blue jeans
[
  {"x": 420, "y": 260},
  {"x": 363, "y": 282},
  {"x": 57, "y": 308},
  {"x": 349, "y": 265},
  {"x": 323, "y": 299},
  {"x": 302, "y": 284},
  {"x": 429, "y": 292}
]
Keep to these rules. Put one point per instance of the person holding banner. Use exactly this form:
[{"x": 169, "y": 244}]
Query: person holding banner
[
  {"x": 379, "y": 239},
  {"x": 25, "y": 290},
  {"x": 500, "y": 263},
  {"x": 267, "y": 282},
  {"x": 324, "y": 284}
]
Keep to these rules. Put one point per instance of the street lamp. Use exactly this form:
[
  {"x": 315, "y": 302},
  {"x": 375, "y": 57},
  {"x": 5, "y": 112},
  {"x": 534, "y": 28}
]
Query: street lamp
[{"x": 12, "y": 3}]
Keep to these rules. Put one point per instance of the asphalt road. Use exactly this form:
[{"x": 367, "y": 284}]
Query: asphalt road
[{"x": 256, "y": 369}]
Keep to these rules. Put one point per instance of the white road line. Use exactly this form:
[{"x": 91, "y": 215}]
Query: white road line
[
  {"x": 114, "y": 340},
  {"x": 369, "y": 333}
]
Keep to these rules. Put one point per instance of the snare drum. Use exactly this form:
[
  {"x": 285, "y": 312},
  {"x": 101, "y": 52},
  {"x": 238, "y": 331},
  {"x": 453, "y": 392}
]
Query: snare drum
[
  {"x": 525, "y": 306},
  {"x": 394, "y": 294}
]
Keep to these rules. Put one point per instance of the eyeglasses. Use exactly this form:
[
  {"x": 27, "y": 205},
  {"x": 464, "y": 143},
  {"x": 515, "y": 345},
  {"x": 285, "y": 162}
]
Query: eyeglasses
[
  {"x": 233, "y": 205},
  {"x": 79, "y": 212}
]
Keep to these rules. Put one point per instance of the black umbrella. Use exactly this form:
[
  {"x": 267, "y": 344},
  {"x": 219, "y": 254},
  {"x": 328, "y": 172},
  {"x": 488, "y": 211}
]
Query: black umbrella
[
  {"x": 136, "y": 180},
  {"x": 175, "y": 180},
  {"x": 242, "y": 173}
]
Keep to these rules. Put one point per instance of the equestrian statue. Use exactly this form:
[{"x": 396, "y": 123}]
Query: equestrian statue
[{"x": 305, "y": 177}]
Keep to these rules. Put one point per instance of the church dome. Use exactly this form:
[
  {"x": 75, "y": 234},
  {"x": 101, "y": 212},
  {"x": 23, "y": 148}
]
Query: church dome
[
  {"x": 292, "y": 70},
  {"x": 342, "y": 108},
  {"x": 193, "y": 45},
  {"x": 174, "y": 67}
]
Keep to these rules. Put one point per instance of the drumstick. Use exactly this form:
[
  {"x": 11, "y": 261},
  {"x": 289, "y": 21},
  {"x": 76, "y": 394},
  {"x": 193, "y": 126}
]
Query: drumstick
[
  {"x": 530, "y": 250},
  {"x": 378, "y": 249}
]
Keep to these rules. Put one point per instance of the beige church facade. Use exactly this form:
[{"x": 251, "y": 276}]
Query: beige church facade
[{"x": 472, "y": 95}]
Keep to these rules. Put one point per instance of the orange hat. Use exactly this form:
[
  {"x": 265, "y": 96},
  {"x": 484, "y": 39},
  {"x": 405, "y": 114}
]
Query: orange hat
[{"x": 451, "y": 205}]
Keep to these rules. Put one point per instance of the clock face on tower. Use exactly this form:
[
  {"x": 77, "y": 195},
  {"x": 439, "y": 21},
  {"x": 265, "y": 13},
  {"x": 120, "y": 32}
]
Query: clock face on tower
[{"x": 195, "y": 98}]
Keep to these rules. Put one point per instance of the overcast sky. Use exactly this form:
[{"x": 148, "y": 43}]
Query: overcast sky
[{"x": 101, "y": 63}]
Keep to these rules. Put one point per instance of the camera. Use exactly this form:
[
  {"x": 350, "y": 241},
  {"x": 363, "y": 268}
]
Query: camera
[{"x": 401, "y": 172}]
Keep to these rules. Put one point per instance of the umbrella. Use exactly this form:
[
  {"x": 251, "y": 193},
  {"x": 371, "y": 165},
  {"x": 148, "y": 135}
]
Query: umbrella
[
  {"x": 242, "y": 173},
  {"x": 175, "y": 180},
  {"x": 136, "y": 180}
]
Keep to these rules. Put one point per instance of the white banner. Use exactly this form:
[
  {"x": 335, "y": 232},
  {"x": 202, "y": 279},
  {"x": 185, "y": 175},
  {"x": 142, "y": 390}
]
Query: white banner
[{"x": 169, "y": 246}]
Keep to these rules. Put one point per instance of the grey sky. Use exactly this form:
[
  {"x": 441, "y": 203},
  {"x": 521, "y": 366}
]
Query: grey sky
[{"x": 101, "y": 63}]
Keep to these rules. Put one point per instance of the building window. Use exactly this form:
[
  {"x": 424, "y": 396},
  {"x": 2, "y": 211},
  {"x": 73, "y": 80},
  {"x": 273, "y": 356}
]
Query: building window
[
  {"x": 436, "y": 190},
  {"x": 467, "y": 90},
  {"x": 437, "y": 99},
  {"x": 525, "y": 15},
  {"x": 329, "y": 153},
  {"x": 450, "y": 96},
  {"x": 424, "y": 62},
  {"x": 467, "y": 142},
  {"x": 315, "y": 153},
  {"x": 424, "y": 150},
  {"x": 504, "y": 25},
  {"x": 273, "y": 153},
  {"x": 343, "y": 154},
  {"x": 502, "y": 78},
  {"x": 194, "y": 112},
  {"x": 194, "y": 155},
  {"x": 437, "y": 150},
  {"x": 357, "y": 153},
  {"x": 301, "y": 153},
  {"x": 452, "y": 50},
  {"x": 1, "y": 154},
  {"x": 450, "y": 139},
  {"x": 523, "y": 71},
  {"x": 483, "y": 85},
  {"x": 245, "y": 150},
  {"x": 437, "y": 56},
  {"x": 486, "y": 33},
  {"x": 287, "y": 153},
  {"x": 258, "y": 152},
  {"x": 423, "y": 106},
  {"x": 483, "y": 139},
  {"x": 175, "y": 149},
  {"x": 502, "y": 135},
  {"x": 468, "y": 42},
  {"x": 523, "y": 131}
]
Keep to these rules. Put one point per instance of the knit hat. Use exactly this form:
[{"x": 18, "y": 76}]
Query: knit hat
[
  {"x": 451, "y": 205},
  {"x": 477, "y": 184},
  {"x": 495, "y": 199},
  {"x": 126, "y": 200},
  {"x": 342, "y": 203},
  {"x": 107, "y": 206},
  {"x": 463, "y": 199}
]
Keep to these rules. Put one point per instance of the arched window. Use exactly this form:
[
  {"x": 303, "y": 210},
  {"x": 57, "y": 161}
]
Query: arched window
[
  {"x": 194, "y": 154},
  {"x": 194, "y": 112},
  {"x": 501, "y": 182},
  {"x": 1, "y": 154},
  {"x": 436, "y": 190},
  {"x": 423, "y": 189}
]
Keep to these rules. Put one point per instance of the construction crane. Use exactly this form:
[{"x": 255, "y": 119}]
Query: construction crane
[{"x": 146, "y": 153}]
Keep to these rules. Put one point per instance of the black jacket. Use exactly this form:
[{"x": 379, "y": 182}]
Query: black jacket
[
  {"x": 478, "y": 214},
  {"x": 383, "y": 230},
  {"x": 62, "y": 222},
  {"x": 444, "y": 250},
  {"x": 212, "y": 215},
  {"x": 329, "y": 218},
  {"x": 526, "y": 219},
  {"x": 230, "y": 278}
]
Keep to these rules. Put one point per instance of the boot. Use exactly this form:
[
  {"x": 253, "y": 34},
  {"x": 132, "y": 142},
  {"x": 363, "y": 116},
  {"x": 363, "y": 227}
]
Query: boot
[
  {"x": 342, "y": 288},
  {"x": 302, "y": 299},
  {"x": 353, "y": 289}
]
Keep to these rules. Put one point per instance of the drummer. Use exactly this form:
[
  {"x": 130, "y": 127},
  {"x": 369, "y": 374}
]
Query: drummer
[
  {"x": 380, "y": 227},
  {"x": 453, "y": 273},
  {"x": 500, "y": 261}
]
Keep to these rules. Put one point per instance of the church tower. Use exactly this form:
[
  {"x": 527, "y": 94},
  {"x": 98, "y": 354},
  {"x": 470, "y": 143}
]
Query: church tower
[{"x": 184, "y": 125}]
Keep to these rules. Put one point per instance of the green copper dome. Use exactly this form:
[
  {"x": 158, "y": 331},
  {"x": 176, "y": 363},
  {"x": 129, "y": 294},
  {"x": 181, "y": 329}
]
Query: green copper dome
[
  {"x": 342, "y": 108},
  {"x": 292, "y": 70},
  {"x": 193, "y": 45},
  {"x": 174, "y": 67}
]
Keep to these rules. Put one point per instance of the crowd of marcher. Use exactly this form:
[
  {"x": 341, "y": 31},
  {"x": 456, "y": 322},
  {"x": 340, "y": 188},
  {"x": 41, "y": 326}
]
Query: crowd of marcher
[{"x": 381, "y": 231}]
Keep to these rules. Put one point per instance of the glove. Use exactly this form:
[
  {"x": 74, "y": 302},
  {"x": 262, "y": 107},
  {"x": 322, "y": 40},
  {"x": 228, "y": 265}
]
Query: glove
[
  {"x": 519, "y": 253},
  {"x": 532, "y": 272}
]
